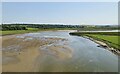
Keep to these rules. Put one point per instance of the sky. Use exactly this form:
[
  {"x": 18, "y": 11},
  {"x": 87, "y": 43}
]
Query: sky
[
  {"x": 60, "y": 12},
  {"x": 60, "y": 0}
]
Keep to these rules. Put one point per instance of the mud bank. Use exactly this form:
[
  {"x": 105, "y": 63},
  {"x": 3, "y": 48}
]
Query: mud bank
[{"x": 19, "y": 52}]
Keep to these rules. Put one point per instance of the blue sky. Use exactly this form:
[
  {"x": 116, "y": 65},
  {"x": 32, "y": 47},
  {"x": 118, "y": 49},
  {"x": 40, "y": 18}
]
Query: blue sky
[
  {"x": 59, "y": 0},
  {"x": 60, "y": 12}
]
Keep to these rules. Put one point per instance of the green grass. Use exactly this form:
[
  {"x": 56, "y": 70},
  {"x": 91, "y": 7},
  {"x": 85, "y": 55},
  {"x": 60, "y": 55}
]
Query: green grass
[
  {"x": 111, "y": 38},
  {"x": 29, "y": 30},
  {"x": 10, "y": 32},
  {"x": 96, "y": 33},
  {"x": 112, "y": 41}
]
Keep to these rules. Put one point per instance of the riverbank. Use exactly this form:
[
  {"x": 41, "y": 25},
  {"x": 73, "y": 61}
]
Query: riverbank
[
  {"x": 31, "y": 30},
  {"x": 107, "y": 40}
]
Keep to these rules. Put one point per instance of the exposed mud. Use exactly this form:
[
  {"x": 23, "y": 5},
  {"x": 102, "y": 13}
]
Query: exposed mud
[{"x": 20, "y": 52}]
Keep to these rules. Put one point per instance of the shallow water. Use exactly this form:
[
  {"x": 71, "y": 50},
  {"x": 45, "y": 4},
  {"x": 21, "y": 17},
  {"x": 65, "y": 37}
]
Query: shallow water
[
  {"x": 71, "y": 54},
  {"x": 85, "y": 56}
]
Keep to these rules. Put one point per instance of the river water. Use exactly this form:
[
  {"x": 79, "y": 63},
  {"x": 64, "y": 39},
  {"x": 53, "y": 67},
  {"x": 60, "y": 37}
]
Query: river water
[{"x": 85, "y": 55}]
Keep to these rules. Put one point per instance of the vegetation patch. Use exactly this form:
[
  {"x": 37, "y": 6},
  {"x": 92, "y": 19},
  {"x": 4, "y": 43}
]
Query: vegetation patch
[
  {"x": 110, "y": 38},
  {"x": 10, "y": 32}
]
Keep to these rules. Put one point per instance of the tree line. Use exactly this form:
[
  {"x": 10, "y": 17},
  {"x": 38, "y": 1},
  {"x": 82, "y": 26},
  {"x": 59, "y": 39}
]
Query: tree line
[
  {"x": 13, "y": 27},
  {"x": 5, "y": 27},
  {"x": 39, "y": 26}
]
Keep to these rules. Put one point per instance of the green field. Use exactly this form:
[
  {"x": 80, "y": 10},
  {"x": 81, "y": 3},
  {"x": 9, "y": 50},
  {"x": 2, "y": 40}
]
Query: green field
[
  {"x": 112, "y": 41},
  {"x": 10, "y": 32},
  {"x": 29, "y": 30},
  {"x": 111, "y": 38}
]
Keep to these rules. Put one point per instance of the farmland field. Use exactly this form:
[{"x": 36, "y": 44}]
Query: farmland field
[{"x": 113, "y": 40}]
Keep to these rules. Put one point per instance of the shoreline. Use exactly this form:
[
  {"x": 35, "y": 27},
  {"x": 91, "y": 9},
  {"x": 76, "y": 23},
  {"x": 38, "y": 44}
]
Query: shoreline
[
  {"x": 34, "y": 32},
  {"x": 103, "y": 44}
]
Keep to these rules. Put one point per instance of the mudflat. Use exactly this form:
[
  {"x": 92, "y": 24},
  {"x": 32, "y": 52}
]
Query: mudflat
[{"x": 20, "y": 53}]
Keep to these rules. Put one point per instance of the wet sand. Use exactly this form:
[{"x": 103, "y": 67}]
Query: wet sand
[{"x": 19, "y": 52}]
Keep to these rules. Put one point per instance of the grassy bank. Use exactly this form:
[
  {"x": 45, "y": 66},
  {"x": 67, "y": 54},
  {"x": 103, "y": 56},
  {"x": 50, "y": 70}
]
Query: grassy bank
[
  {"x": 96, "y": 33},
  {"x": 30, "y": 30},
  {"x": 110, "y": 38},
  {"x": 11, "y": 32},
  {"x": 112, "y": 41}
]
